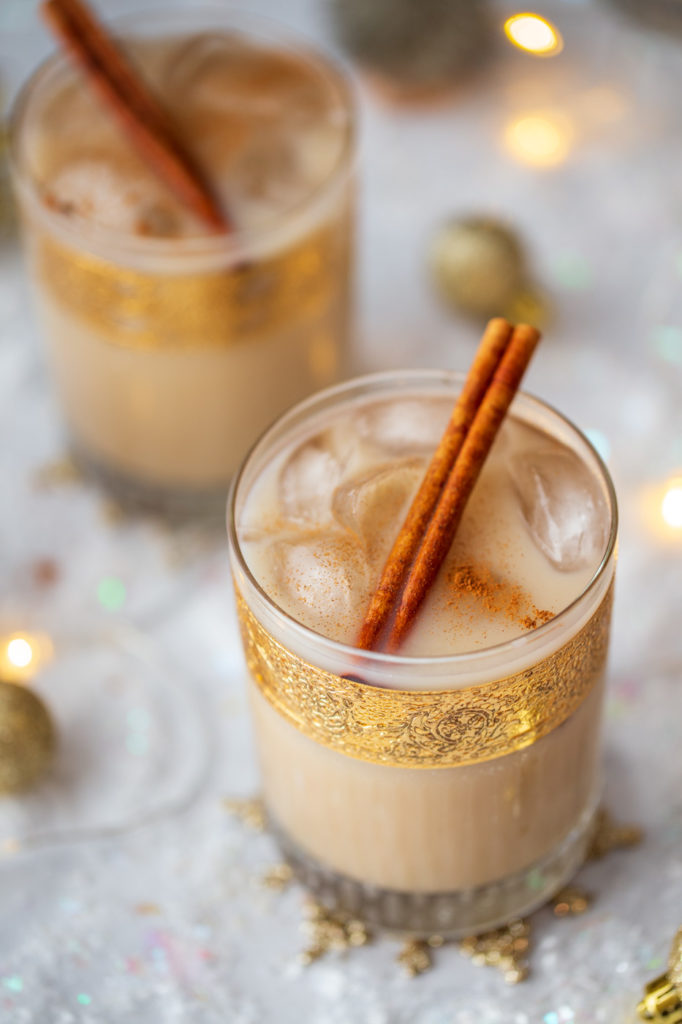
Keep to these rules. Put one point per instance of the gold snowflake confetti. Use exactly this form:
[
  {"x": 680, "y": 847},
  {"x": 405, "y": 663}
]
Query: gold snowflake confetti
[
  {"x": 251, "y": 812},
  {"x": 608, "y": 836},
  {"x": 504, "y": 948},
  {"x": 331, "y": 931},
  {"x": 415, "y": 956},
  {"x": 278, "y": 876},
  {"x": 570, "y": 901}
]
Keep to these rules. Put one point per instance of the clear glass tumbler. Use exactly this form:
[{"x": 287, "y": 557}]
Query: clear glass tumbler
[
  {"x": 431, "y": 795},
  {"x": 171, "y": 354}
]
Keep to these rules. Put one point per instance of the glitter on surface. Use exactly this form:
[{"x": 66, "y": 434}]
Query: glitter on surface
[
  {"x": 111, "y": 593},
  {"x": 14, "y": 983},
  {"x": 83, "y": 999}
]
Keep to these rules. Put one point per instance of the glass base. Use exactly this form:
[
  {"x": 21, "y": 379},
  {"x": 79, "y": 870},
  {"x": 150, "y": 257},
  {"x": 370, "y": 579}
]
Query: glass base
[
  {"x": 138, "y": 496},
  {"x": 452, "y": 915}
]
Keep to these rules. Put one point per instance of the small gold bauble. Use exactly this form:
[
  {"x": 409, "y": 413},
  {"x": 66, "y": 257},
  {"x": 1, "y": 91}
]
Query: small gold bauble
[
  {"x": 478, "y": 265},
  {"x": 27, "y": 738}
]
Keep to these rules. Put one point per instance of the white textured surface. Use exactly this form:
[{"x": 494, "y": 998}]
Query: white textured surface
[{"x": 131, "y": 886}]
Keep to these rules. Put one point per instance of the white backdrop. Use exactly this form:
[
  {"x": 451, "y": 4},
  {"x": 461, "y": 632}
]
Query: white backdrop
[{"x": 128, "y": 893}]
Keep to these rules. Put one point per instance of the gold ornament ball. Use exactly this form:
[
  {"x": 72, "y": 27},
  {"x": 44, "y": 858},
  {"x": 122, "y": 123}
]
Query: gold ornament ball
[
  {"x": 478, "y": 265},
  {"x": 27, "y": 738}
]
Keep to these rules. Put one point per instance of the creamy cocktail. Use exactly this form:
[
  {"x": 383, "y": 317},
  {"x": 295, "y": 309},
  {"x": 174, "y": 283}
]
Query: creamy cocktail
[
  {"x": 173, "y": 347},
  {"x": 453, "y": 785}
]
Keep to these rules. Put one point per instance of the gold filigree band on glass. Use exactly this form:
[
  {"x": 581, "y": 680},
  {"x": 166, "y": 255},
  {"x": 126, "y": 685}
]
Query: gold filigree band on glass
[
  {"x": 149, "y": 309},
  {"x": 428, "y": 729}
]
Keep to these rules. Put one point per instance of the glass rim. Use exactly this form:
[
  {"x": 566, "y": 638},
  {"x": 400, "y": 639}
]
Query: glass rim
[
  {"x": 402, "y": 661},
  {"x": 84, "y": 233}
]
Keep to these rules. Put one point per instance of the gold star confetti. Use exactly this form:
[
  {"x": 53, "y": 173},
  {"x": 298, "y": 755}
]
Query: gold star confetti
[
  {"x": 251, "y": 812},
  {"x": 608, "y": 836},
  {"x": 278, "y": 876},
  {"x": 570, "y": 901},
  {"x": 331, "y": 931},
  {"x": 415, "y": 956},
  {"x": 504, "y": 948}
]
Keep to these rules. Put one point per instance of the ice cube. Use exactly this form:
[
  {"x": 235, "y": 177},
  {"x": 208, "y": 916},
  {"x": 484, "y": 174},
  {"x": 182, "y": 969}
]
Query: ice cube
[
  {"x": 374, "y": 505},
  {"x": 405, "y": 427},
  {"x": 562, "y": 505},
  {"x": 321, "y": 579},
  {"x": 101, "y": 190},
  {"x": 219, "y": 71},
  {"x": 258, "y": 118},
  {"x": 316, "y": 467},
  {"x": 307, "y": 481}
]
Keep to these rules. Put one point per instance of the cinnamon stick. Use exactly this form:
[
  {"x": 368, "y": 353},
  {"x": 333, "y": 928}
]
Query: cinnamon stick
[
  {"x": 141, "y": 116},
  {"x": 460, "y": 483},
  {"x": 491, "y": 349}
]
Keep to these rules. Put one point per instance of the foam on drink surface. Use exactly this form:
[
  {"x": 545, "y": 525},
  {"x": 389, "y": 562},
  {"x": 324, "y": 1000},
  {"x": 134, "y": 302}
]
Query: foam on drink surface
[
  {"x": 266, "y": 125},
  {"x": 321, "y": 518}
]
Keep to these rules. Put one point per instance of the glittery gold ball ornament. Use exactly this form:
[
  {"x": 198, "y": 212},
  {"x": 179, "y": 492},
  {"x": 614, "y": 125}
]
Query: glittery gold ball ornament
[
  {"x": 416, "y": 46},
  {"x": 27, "y": 738},
  {"x": 478, "y": 265}
]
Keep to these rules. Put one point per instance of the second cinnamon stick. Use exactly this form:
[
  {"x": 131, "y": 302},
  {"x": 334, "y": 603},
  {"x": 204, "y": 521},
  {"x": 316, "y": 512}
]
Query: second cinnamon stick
[{"x": 463, "y": 476}]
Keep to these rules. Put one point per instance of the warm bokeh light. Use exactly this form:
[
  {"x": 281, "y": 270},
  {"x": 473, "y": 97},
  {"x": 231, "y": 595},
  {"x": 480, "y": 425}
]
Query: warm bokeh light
[
  {"x": 541, "y": 140},
  {"x": 534, "y": 34},
  {"x": 19, "y": 652},
  {"x": 22, "y": 654},
  {"x": 660, "y": 506},
  {"x": 671, "y": 505}
]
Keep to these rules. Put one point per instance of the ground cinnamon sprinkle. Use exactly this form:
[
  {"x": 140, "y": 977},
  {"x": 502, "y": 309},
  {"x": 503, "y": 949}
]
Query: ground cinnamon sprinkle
[{"x": 497, "y": 596}]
